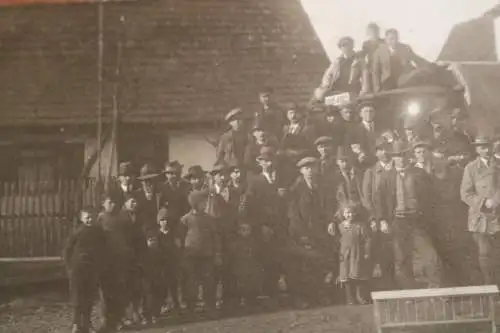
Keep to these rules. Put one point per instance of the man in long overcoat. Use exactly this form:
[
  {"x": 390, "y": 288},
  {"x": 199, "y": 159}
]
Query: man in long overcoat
[
  {"x": 480, "y": 190},
  {"x": 264, "y": 207},
  {"x": 312, "y": 208},
  {"x": 382, "y": 244}
]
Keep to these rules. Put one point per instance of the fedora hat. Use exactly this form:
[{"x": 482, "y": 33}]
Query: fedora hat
[
  {"x": 148, "y": 171},
  {"x": 218, "y": 168},
  {"x": 399, "y": 148},
  {"x": 195, "y": 171},
  {"x": 173, "y": 166}
]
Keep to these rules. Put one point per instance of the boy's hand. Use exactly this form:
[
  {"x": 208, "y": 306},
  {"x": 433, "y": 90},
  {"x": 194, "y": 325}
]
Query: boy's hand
[
  {"x": 367, "y": 256},
  {"x": 329, "y": 278},
  {"x": 373, "y": 225},
  {"x": 218, "y": 259},
  {"x": 331, "y": 229}
]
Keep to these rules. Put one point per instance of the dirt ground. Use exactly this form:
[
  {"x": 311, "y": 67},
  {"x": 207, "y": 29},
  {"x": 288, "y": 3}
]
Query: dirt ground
[{"x": 49, "y": 312}]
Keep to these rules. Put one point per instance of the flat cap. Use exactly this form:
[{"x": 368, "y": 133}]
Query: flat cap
[
  {"x": 323, "y": 140},
  {"x": 266, "y": 153},
  {"x": 344, "y": 41},
  {"x": 234, "y": 114},
  {"x": 309, "y": 160},
  {"x": 195, "y": 171},
  {"x": 125, "y": 169}
]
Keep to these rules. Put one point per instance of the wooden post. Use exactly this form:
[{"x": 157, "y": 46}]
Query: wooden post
[{"x": 100, "y": 38}]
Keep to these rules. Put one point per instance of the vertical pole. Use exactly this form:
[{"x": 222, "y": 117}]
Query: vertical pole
[{"x": 100, "y": 47}]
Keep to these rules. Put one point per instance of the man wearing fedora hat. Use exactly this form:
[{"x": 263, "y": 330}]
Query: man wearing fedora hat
[
  {"x": 232, "y": 144},
  {"x": 423, "y": 156},
  {"x": 312, "y": 207},
  {"x": 403, "y": 207},
  {"x": 148, "y": 196},
  {"x": 197, "y": 177},
  {"x": 480, "y": 190},
  {"x": 126, "y": 183},
  {"x": 264, "y": 206},
  {"x": 175, "y": 191}
]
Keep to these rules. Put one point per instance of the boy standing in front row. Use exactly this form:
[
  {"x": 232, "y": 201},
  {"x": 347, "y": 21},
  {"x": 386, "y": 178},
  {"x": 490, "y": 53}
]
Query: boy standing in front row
[
  {"x": 202, "y": 251},
  {"x": 83, "y": 258}
]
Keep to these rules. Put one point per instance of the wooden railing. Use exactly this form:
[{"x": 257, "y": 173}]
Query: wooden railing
[{"x": 36, "y": 218}]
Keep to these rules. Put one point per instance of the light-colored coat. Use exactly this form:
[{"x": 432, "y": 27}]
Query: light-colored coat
[{"x": 479, "y": 183}]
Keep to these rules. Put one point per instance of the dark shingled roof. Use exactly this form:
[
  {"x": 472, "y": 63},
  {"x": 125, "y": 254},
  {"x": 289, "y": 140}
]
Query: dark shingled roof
[
  {"x": 473, "y": 40},
  {"x": 182, "y": 61}
]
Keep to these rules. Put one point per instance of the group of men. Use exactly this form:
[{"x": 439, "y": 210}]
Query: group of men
[{"x": 378, "y": 66}]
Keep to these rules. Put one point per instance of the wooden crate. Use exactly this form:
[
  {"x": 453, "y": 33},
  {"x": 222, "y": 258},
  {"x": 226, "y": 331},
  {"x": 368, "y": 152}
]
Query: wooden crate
[{"x": 434, "y": 307}]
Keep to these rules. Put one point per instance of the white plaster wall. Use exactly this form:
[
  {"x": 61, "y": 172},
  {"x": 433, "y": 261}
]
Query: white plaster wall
[{"x": 191, "y": 147}]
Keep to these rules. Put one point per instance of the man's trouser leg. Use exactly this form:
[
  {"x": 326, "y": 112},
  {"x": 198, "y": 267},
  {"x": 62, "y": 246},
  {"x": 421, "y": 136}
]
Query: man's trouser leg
[
  {"x": 402, "y": 238},
  {"x": 488, "y": 249},
  {"x": 426, "y": 252}
]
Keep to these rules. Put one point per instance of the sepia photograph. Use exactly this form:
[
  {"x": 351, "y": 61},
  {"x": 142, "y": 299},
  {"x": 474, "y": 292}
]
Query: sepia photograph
[{"x": 249, "y": 166}]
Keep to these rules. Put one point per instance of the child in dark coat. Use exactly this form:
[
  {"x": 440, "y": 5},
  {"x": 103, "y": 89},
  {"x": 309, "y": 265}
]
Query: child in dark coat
[
  {"x": 118, "y": 233},
  {"x": 83, "y": 256},
  {"x": 245, "y": 264},
  {"x": 161, "y": 267},
  {"x": 202, "y": 251},
  {"x": 355, "y": 252},
  {"x": 136, "y": 240}
]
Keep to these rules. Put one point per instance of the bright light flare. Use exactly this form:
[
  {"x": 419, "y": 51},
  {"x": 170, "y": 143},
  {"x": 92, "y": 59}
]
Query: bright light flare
[{"x": 414, "y": 109}]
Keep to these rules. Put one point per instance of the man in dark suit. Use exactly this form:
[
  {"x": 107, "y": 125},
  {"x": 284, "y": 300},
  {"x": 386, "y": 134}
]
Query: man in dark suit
[
  {"x": 126, "y": 184},
  {"x": 383, "y": 254},
  {"x": 269, "y": 116},
  {"x": 327, "y": 163},
  {"x": 403, "y": 207},
  {"x": 174, "y": 193},
  {"x": 232, "y": 144},
  {"x": 312, "y": 207},
  {"x": 349, "y": 178},
  {"x": 264, "y": 207},
  {"x": 368, "y": 131},
  {"x": 391, "y": 60}
]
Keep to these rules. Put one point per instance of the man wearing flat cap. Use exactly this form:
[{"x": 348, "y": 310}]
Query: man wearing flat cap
[
  {"x": 480, "y": 190},
  {"x": 383, "y": 254},
  {"x": 312, "y": 208},
  {"x": 349, "y": 178},
  {"x": 344, "y": 74},
  {"x": 264, "y": 206},
  {"x": 260, "y": 138},
  {"x": 232, "y": 144},
  {"x": 269, "y": 115},
  {"x": 327, "y": 164},
  {"x": 404, "y": 209}
]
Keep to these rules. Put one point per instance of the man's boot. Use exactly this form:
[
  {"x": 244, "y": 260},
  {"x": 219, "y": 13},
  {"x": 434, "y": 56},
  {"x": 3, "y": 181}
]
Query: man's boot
[{"x": 348, "y": 286}]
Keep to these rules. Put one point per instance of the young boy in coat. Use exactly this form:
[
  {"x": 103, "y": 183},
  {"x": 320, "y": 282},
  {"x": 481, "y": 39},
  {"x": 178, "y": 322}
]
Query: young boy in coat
[
  {"x": 245, "y": 264},
  {"x": 202, "y": 251},
  {"x": 117, "y": 232},
  {"x": 83, "y": 256}
]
